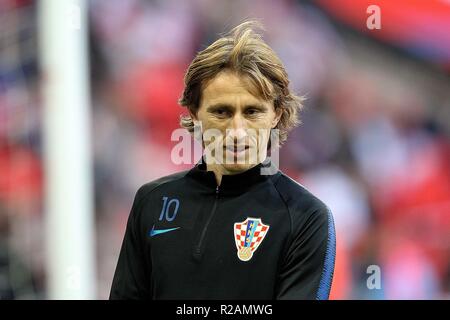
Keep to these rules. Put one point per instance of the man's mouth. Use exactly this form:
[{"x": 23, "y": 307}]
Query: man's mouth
[{"x": 237, "y": 149}]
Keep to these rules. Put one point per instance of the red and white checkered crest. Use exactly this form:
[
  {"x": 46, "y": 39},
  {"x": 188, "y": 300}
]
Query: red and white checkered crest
[{"x": 248, "y": 235}]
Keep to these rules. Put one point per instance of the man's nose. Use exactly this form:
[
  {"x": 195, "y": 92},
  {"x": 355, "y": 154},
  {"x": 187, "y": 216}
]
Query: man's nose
[
  {"x": 238, "y": 130},
  {"x": 238, "y": 122}
]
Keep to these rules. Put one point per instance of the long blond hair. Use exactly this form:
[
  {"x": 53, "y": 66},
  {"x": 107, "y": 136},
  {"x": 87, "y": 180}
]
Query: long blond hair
[{"x": 244, "y": 51}]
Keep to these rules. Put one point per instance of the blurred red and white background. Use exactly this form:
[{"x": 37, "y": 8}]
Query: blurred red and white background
[{"x": 374, "y": 143}]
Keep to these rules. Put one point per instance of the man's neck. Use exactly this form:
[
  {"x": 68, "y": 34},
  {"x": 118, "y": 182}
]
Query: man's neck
[{"x": 218, "y": 170}]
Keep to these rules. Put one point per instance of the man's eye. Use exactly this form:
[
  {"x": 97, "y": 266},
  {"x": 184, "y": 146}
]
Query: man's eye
[
  {"x": 252, "y": 112},
  {"x": 220, "y": 112}
]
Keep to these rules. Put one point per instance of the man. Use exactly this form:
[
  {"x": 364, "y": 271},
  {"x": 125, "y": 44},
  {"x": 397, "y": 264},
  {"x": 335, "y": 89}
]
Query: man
[{"x": 226, "y": 229}]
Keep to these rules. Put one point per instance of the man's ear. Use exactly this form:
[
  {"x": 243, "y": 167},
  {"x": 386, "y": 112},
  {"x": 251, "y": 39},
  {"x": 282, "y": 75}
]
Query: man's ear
[
  {"x": 278, "y": 114},
  {"x": 198, "y": 132},
  {"x": 194, "y": 118}
]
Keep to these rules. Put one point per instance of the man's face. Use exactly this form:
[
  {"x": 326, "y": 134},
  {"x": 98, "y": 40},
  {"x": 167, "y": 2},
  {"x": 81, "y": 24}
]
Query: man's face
[{"x": 235, "y": 121}]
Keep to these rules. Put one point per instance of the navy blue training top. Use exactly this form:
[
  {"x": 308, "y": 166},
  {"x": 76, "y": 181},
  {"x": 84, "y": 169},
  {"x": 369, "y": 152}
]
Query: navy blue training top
[{"x": 256, "y": 236}]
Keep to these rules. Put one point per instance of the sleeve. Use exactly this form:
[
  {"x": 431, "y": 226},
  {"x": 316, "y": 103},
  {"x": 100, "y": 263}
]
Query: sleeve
[
  {"x": 308, "y": 267},
  {"x": 133, "y": 272}
]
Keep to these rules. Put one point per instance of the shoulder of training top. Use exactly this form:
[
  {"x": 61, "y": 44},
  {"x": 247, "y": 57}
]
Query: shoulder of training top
[
  {"x": 298, "y": 199},
  {"x": 148, "y": 187}
]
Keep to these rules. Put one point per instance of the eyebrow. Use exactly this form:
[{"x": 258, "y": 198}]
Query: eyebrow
[{"x": 230, "y": 107}]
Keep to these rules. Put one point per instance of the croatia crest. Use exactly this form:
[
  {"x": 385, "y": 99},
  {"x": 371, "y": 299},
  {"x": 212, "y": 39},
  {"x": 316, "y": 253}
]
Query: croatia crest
[{"x": 248, "y": 235}]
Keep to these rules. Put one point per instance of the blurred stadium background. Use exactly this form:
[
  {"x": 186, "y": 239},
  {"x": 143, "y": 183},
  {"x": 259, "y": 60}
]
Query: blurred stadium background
[{"x": 374, "y": 143}]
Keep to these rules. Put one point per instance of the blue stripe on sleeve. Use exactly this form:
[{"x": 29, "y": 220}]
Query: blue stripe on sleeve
[{"x": 328, "y": 268}]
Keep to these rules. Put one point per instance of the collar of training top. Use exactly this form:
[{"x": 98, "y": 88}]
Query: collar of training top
[{"x": 235, "y": 183}]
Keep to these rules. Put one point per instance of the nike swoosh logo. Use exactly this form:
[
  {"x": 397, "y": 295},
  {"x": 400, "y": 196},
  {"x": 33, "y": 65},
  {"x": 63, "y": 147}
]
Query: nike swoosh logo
[{"x": 154, "y": 232}]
